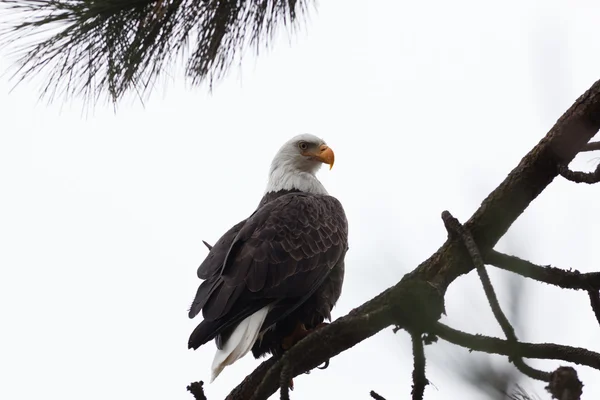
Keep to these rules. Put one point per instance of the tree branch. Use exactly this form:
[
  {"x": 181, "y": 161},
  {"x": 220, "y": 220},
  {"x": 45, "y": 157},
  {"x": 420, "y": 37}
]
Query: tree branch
[
  {"x": 492, "y": 345},
  {"x": 417, "y": 300},
  {"x": 419, "y": 378},
  {"x": 376, "y": 396},
  {"x": 547, "y": 274},
  {"x": 595, "y": 303},
  {"x": 580, "y": 177},
  {"x": 592, "y": 146},
  {"x": 197, "y": 390},
  {"x": 113, "y": 47},
  {"x": 453, "y": 225}
]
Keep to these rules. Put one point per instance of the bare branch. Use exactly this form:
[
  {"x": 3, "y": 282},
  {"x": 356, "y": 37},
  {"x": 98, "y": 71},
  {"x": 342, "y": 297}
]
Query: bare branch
[
  {"x": 284, "y": 383},
  {"x": 580, "y": 177},
  {"x": 453, "y": 225},
  {"x": 207, "y": 245},
  {"x": 592, "y": 146},
  {"x": 419, "y": 378},
  {"x": 417, "y": 300},
  {"x": 197, "y": 390},
  {"x": 492, "y": 345},
  {"x": 246, "y": 389},
  {"x": 376, "y": 396},
  {"x": 547, "y": 274},
  {"x": 595, "y": 303}
]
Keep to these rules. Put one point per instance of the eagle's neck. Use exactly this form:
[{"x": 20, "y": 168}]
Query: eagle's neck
[{"x": 287, "y": 177}]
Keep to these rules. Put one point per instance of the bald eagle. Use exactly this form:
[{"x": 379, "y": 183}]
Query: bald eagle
[{"x": 274, "y": 277}]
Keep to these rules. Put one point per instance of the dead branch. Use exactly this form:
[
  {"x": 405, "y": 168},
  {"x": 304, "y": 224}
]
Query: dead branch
[
  {"x": 207, "y": 245},
  {"x": 197, "y": 390},
  {"x": 595, "y": 303},
  {"x": 285, "y": 382},
  {"x": 547, "y": 274},
  {"x": 423, "y": 289},
  {"x": 492, "y": 345},
  {"x": 419, "y": 378},
  {"x": 580, "y": 177},
  {"x": 592, "y": 146},
  {"x": 454, "y": 226},
  {"x": 376, "y": 396}
]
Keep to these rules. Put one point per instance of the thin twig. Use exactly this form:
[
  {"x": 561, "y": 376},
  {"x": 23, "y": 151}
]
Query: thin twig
[
  {"x": 492, "y": 345},
  {"x": 376, "y": 396},
  {"x": 592, "y": 146},
  {"x": 580, "y": 177},
  {"x": 595, "y": 303},
  {"x": 453, "y": 225},
  {"x": 547, "y": 274},
  {"x": 197, "y": 390},
  {"x": 207, "y": 245},
  {"x": 419, "y": 378}
]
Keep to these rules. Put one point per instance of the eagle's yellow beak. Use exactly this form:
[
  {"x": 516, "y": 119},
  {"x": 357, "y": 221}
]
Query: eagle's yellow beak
[{"x": 325, "y": 155}]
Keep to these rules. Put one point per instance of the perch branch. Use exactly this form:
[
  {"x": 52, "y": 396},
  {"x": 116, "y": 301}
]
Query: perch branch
[
  {"x": 547, "y": 274},
  {"x": 419, "y": 378},
  {"x": 423, "y": 288},
  {"x": 580, "y": 177}
]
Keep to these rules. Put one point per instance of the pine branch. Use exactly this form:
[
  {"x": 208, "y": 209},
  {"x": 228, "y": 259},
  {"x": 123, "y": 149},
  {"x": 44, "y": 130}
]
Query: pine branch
[
  {"x": 117, "y": 46},
  {"x": 547, "y": 274}
]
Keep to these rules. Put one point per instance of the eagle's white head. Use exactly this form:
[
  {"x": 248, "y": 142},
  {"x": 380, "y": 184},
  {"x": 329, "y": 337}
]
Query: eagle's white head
[{"x": 296, "y": 163}]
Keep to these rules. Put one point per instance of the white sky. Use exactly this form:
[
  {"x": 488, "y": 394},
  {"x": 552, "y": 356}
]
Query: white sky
[{"x": 428, "y": 105}]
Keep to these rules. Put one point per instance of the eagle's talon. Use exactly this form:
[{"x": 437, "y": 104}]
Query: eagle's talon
[{"x": 325, "y": 365}]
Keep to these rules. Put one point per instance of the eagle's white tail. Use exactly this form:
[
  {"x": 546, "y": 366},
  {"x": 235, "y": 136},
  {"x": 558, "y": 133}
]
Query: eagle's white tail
[{"x": 240, "y": 342}]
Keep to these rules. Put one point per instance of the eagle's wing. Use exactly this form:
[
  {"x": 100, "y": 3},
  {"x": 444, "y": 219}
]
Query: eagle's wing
[{"x": 284, "y": 250}]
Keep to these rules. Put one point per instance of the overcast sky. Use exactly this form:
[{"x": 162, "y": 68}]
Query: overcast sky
[{"x": 427, "y": 105}]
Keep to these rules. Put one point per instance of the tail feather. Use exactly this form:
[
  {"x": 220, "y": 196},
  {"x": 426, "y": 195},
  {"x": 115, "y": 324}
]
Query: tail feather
[{"x": 239, "y": 342}]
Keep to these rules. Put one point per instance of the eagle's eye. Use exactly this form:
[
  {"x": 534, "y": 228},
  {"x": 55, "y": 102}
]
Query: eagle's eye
[{"x": 303, "y": 145}]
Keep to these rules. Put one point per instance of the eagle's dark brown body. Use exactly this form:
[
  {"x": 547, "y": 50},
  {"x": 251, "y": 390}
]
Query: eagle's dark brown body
[{"x": 288, "y": 254}]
